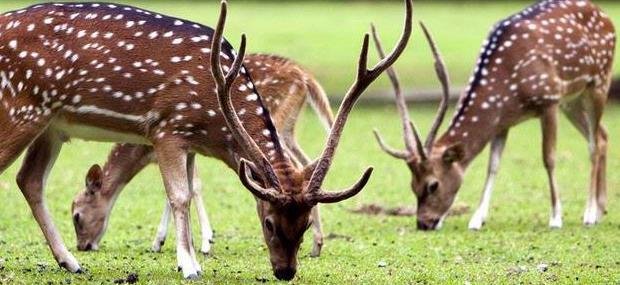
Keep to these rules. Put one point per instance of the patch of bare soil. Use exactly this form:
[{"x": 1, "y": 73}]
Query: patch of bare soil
[
  {"x": 131, "y": 279},
  {"x": 404, "y": 211}
]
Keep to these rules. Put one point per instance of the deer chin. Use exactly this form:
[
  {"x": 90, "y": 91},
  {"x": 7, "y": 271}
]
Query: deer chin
[{"x": 430, "y": 222}]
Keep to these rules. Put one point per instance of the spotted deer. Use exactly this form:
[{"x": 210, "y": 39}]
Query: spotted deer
[
  {"x": 554, "y": 55},
  {"x": 82, "y": 70},
  {"x": 283, "y": 85}
]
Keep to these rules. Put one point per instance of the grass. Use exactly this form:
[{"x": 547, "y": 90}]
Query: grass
[
  {"x": 326, "y": 36},
  {"x": 515, "y": 236}
]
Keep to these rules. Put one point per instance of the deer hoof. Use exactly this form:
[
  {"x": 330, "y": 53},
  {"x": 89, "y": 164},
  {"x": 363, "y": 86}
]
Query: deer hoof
[{"x": 555, "y": 223}]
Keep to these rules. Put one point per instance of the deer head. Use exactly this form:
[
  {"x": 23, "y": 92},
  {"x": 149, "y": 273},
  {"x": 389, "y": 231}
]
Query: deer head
[
  {"x": 90, "y": 224},
  {"x": 285, "y": 192},
  {"x": 436, "y": 173}
]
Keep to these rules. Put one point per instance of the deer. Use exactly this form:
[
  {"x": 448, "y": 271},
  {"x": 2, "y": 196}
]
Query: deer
[
  {"x": 283, "y": 85},
  {"x": 81, "y": 70},
  {"x": 553, "y": 56}
]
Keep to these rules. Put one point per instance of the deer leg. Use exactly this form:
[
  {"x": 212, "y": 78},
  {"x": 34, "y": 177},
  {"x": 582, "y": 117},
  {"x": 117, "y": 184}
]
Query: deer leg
[
  {"x": 317, "y": 232},
  {"x": 206, "y": 231},
  {"x": 14, "y": 139},
  {"x": 162, "y": 229},
  {"x": 191, "y": 166},
  {"x": 598, "y": 152},
  {"x": 601, "y": 179},
  {"x": 174, "y": 163},
  {"x": 31, "y": 181},
  {"x": 549, "y": 121},
  {"x": 580, "y": 114},
  {"x": 497, "y": 148}
]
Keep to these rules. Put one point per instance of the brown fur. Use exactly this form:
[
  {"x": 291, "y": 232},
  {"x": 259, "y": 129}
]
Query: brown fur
[
  {"x": 275, "y": 79},
  {"x": 530, "y": 67}
]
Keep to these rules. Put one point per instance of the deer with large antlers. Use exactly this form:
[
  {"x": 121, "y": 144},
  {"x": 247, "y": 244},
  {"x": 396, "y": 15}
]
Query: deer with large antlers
[
  {"x": 70, "y": 69},
  {"x": 555, "y": 55},
  {"x": 283, "y": 85}
]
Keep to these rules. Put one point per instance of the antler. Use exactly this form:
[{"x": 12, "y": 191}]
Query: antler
[
  {"x": 267, "y": 194},
  {"x": 364, "y": 78},
  {"x": 411, "y": 134},
  {"x": 242, "y": 137},
  {"x": 442, "y": 74}
]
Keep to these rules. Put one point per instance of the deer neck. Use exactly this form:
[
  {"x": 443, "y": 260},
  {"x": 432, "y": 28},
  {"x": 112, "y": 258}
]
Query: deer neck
[
  {"x": 486, "y": 111},
  {"x": 124, "y": 162}
]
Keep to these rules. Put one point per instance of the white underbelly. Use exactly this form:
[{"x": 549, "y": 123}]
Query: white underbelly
[{"x": 91, "y": 133}]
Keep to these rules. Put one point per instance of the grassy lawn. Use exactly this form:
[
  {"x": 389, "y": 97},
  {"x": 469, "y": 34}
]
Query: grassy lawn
[
  {"x": 326, "y": 36},
  {"x": 508, "y": 250}
]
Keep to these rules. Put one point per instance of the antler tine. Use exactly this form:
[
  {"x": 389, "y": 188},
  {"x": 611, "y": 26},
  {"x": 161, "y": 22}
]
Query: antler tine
[
  {"x": 364, "y": 78},
  {"x": 442, "y": 74},
  {"x": 224, "y": 84},
  {"x": 267, "y": 194},
  {"x": 409, "y": 134},
  {"x": 418, "y": 141},
  {"x": 337, "y": 196},
  {"x": 389, "y": 150}
]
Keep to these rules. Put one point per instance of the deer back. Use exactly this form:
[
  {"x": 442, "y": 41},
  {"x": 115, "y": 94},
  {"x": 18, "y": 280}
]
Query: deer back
[{"x": 128, "y": 71}]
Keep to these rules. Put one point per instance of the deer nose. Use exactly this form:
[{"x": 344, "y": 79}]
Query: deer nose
[
  {"x": 427, "y": 226},
  {"x": 286, "y": 273}
]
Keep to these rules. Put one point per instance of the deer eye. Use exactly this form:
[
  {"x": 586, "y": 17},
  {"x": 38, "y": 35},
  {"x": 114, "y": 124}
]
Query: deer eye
[
  {"x": 432, "y": 187},
  {"x": 76, "y": 219},
  {"x": 269, "y": 225}
]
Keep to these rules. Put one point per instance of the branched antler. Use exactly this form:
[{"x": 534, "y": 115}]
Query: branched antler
[
  {"x": 364, "y": 78},
  {"x": 224, "y": 84},
  {"x": 442, "y": 74},
  {"x": 411, "y": 135}
]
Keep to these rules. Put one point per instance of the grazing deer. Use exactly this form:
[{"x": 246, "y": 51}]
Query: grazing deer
[
  {"x": 283, "y": 85},
  {"x": 555, "y": 55},
  {"x": 82, "y": 70}
]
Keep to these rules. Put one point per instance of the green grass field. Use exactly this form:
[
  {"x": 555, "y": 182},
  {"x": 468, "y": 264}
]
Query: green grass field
[
  {"x": 326, "y": 37},
  {"x": 515, "y": 236}
]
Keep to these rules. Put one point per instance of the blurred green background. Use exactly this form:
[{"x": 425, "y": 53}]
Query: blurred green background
[{"x": 325, "y": 36}]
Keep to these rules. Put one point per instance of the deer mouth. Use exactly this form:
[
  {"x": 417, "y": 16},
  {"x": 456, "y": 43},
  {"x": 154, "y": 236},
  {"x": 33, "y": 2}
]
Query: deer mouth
[
  {"x": 88, "y": 246},
  {"x": 286, "y": 274},
  {"x": 428, "y": 225}
]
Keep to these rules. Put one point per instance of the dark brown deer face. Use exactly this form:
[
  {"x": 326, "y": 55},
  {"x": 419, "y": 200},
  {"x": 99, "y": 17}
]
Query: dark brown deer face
[
  {"x": 436, "y": 172},
  {"x": 285, "y": 214},
  {"x": 435, "y": 182},
  {"x": 283, "y": 229},
  {"x": 285, "y": 191},
  {"x": 89, "y": 211}
]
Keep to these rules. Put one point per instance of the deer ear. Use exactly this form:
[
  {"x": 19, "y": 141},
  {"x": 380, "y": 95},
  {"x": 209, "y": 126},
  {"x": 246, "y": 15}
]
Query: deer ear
[
  {"x": 94, "y": 179},
  {"x": 453, "y": 153}
]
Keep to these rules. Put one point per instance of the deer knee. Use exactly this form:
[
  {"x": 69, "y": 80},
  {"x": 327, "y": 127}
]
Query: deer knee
[
  {"x": 601, "y": 143},
  {"x": 30, "y": 187},
  {"x": 549, "y": 161},
  {"x": 179, "y": 201}
]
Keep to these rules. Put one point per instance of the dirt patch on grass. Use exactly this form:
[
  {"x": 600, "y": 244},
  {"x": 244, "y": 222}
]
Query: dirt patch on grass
[
  {"x": 332, "y": 236},
  {"x": 131, "y": 279},
  {"x": 404, "y": 211}
]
